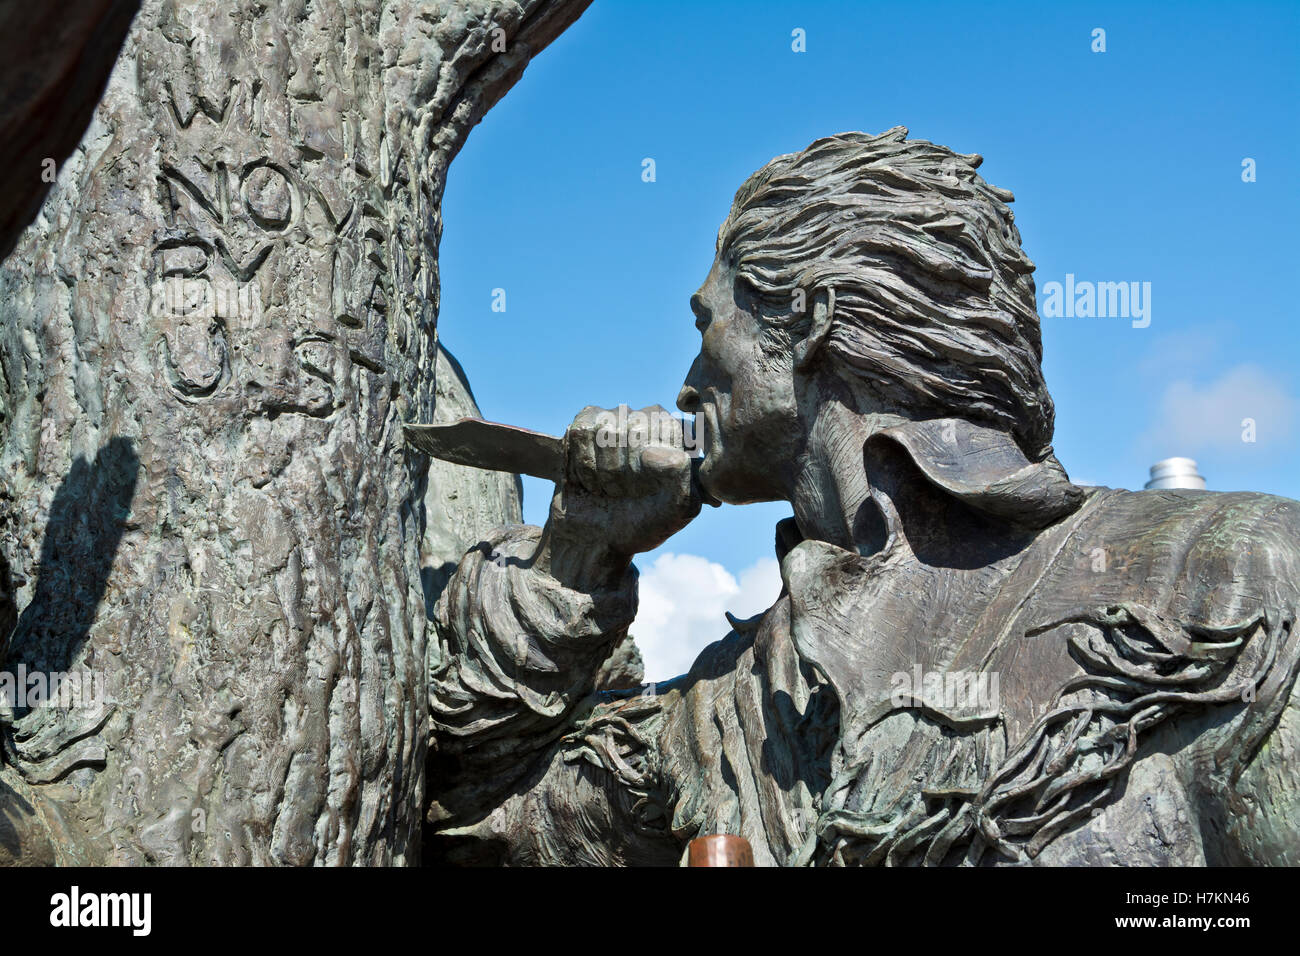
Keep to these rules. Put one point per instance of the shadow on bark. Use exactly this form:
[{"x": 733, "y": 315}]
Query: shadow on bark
[{"x": 87, "y": 519}]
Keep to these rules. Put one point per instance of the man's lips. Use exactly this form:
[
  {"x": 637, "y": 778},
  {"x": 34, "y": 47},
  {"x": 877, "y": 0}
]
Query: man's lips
[
  {"x": 705, "y": 420},
  {"x": 697, "y": 486}
]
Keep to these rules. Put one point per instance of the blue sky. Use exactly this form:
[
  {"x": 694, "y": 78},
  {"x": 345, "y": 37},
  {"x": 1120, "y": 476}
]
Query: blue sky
[{"x": 1126, "y": 165}]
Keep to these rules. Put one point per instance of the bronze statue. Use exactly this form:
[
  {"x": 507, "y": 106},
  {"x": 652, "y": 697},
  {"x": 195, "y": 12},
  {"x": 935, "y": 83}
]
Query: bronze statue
[{"x": 871, "y": 354}]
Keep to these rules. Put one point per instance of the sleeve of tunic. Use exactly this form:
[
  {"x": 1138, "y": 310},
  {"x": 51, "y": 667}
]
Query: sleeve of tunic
[{"x": 529, "y": 764}]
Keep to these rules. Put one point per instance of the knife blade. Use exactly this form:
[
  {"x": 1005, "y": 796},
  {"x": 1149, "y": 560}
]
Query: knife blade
[{"x": 491, "y": 445}]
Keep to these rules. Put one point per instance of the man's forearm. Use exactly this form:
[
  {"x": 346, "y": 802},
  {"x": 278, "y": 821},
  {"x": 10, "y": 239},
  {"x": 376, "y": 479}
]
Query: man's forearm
[
  {"x": 579, "y": 565},
  {"x": 520, "y": 632}
]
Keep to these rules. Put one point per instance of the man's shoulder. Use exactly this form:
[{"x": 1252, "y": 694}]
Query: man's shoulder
[
  {"x": 1201, "y": 541},
  {"x": 1207, "y": 517}
]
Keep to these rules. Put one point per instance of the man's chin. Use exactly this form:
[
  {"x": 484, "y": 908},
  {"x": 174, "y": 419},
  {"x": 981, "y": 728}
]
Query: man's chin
[{"x": 718, "y": 486}]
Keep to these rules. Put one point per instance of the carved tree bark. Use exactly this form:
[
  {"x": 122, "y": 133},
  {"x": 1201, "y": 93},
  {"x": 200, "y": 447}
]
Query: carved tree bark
[{"x": 209, "y": 340}]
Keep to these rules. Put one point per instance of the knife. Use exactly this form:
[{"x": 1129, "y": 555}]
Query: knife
[
  {"x": 496, "y": 447},
  {"x": 491, "y": 445}
]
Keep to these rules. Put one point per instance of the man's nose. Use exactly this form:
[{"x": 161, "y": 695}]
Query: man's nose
[{"x": 688, "y": 400}]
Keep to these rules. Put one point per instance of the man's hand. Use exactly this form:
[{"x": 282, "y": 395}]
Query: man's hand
[{"x": 628, "y": 487}]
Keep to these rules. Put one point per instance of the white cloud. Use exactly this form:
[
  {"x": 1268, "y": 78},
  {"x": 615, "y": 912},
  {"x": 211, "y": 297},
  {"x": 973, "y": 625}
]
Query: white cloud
[
  {"x": 683, "y": 600},
  {"x": 1195, "y": 418}
]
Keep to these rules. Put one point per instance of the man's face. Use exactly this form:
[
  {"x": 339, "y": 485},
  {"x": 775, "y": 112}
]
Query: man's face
[{"x": 743, "y": 398}]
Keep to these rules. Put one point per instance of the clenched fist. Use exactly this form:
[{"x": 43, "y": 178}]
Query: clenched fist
[{"x": 629, "y": 486}]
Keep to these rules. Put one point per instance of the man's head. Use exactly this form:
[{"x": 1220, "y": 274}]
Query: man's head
[{"x": 885, "y": 262}]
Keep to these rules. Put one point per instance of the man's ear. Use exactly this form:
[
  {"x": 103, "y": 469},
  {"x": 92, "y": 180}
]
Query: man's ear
[{"x": 823, "y": 313}]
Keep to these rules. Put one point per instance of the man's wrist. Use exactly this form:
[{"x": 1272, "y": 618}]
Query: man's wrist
[{"x": 580, "y": 565}]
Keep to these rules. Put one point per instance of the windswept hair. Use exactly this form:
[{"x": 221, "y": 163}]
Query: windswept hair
[{"x": 934, "y": 301}]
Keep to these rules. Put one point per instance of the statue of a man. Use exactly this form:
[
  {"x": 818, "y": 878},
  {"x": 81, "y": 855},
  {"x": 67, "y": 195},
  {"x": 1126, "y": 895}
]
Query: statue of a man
[{"x": 871, "y": 353}]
